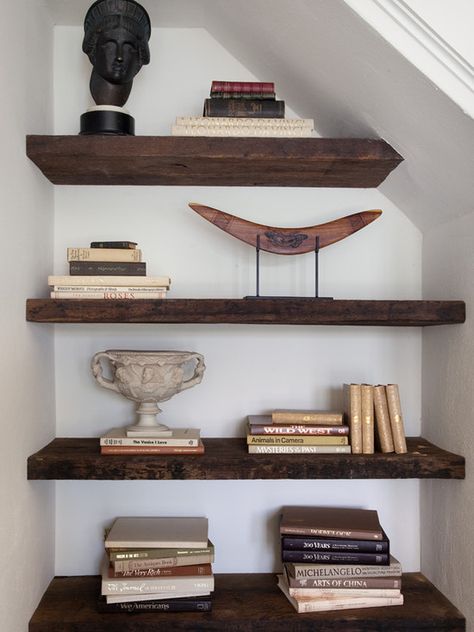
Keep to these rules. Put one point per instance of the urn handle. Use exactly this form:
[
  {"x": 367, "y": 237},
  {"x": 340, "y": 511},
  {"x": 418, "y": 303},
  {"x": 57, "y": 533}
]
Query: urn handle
[
  {"x": 198, "y": 371},
  {"x": 97, "y": 371}
]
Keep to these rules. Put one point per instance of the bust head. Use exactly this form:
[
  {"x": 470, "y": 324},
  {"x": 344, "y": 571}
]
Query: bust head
[{"x": 116, "y": 34}]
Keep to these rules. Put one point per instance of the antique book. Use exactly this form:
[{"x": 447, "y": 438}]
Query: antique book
[
  {"x": 242, "y": 86},
  {"x": 247, "y": 108},
  {"x": 104, "y": 254},
  {"x": 183, "y": 604},
  {"x": 262, "y": 425},
  {"x": 344, "y": 571},
  {"x": 108, "y": 281},
  {"x": 168, "y": 571},
  {"x": 344, "y": 583},
  {"x": 315, "y": 417},
  {"x": 353, "y": 415},
  {"x": 122, "y": 553},
  {"x": 367, "y": 415},
  {"x": 336, "y": 602},
  {"x": 382, "y": 419},
  {"x": 259, "y": 123},
  {"x": 158, "y": 531},
  {"x": 109, "y": 268},
  {"x": 119, "y": 295},
  {"x": 152, "y": 449},
  {"x": 299, "y": 449},
  {"x": 296, "y": 440},
  {"x": 334, "y": 557},
  {"x": 130, "y": 565},
  {"x": 113, "y": 244},
  {"x": 306, "y": 543},
  {"x": 243, "y": 95},
  {"x": 244, "y": 131},
  {"x": 331, "y": 522},
  {"x": 179, "y": 437},
  {"x": 396, "y": 419}
]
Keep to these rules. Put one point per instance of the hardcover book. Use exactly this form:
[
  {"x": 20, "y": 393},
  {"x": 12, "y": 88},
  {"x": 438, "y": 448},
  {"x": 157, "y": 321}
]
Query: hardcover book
[
  {"x": 158, "y": 532},
  {"x": 152, "y": 449},
  {"x": 296, "y": 440},
  {"x": 353, "y": 414},
  {"x": 247, "y": 108},
  {"x": 262, "y": 425},
  {"x": 109, "y": 268},
  {"x": 104, "y": 254},
  {"x": 128, "y": 565},
  {"x": 344, "y": 571},
  {"x": 331, "y": 522},
  {"x": 242, "y": 86},
  {"x": 167, "y": 571},
  {"x": 299, "y": 449},
  {"x": 382, "y": 419},
  {"x": 302, "y": 543},
  {"x": 123, "y": 553},
  {"x": 183, "y": 604},
  {"x": 107, "y": 281},
  {"x": 396, "y": 419},
  {"x": 334, "y": 557},
  {"x": 343, "y": 583},
  {"x": 178, "y": 437},
  {"x": 113, "y": 244},
  {"x": 322, "y": 417},
  {"x": 367, "y": 413}
]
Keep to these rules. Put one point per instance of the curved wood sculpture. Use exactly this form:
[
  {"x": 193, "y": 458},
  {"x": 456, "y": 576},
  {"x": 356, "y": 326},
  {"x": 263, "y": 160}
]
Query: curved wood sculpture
[{"x": 286, "y": 241}]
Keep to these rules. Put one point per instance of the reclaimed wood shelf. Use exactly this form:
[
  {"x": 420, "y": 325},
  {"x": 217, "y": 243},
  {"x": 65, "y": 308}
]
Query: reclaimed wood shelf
[
  {"x": 245, "y": 603},
  {"x": 228, "y": 459},
  {"x": 175, "y": 160},
  {"x": 281, "y": 311}
]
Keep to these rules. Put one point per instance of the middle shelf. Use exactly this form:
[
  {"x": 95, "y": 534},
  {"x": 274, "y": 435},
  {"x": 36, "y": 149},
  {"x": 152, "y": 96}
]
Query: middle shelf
[{"x": 228, "y": 459}]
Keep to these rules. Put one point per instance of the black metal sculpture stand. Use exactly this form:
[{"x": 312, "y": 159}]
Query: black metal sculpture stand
[{"x": 316, "y": 276}]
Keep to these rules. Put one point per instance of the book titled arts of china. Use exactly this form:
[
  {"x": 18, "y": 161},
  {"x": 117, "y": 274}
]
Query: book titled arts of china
[{"x": 331, "y": 522}]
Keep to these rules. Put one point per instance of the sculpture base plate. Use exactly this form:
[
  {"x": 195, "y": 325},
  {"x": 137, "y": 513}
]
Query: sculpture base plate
[
  {"x": 107, "y": 122},
  {"x": 159, "y": 430}
]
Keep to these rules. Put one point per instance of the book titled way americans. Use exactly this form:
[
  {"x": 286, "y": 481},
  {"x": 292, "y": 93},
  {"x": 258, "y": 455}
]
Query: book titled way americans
[{"x": 331, "y": 522}]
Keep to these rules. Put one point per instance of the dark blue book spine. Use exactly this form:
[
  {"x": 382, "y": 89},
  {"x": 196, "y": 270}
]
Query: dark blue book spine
[
  {"x": 331, "y": 557},
  {"x": 290, "y": 543}
]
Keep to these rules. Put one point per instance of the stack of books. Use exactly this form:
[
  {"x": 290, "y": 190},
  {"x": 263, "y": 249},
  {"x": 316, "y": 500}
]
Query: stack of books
[
  {"x": 237, "y": 108},
  {"x": 374, "y": 415},
  {"x": 173, "y": 441},
  {"x": 298, "y": 432},
  {"x": 157, "y": 564},
  {"x": 108, "y": 270},
  {"x": 337, "y": 559}
]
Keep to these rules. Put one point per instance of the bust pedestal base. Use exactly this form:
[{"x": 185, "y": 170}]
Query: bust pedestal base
[{"x": 108, "y": 120}]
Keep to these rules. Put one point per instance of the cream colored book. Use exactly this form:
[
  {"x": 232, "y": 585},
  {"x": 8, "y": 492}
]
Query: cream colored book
[
  {"x": 396, "y": 418},
  {"x": 153, "y": 596},
  {"x": 367, "y": 413},
  {"x": 158, "y": 532},
  {"x": 312, "y": 417},
  {"x": 110, "y": 281},
  {"x": 296, "y": 440},
  {"x": 228, "y": 121},
  {"x": 353, "y": 413},
  {"x": 242, "y": 131},
  {"x": 382, "y": 419},
  {"x": 104, "y": 254}
]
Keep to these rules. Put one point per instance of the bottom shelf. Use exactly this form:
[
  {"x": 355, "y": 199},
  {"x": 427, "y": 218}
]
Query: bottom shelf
[{"x": 244, "y": 603}]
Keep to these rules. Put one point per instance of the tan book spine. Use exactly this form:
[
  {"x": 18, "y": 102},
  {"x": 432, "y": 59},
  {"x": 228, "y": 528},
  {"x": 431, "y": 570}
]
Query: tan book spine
[
  {"x": 353, "y": 412},
  {"x": 104, "y": 254},
  {"x": 151, "y": 449},
  {"x": 314, "y": 417},
  {"x": 299, "y": 449},
  {"x": 382, "y": 419},
  {"x": 296, "y": 440},
  {"x": 162, "y": 562},
  {"x": 367, "y": 412},
  {"x": 396, "y": 418}
]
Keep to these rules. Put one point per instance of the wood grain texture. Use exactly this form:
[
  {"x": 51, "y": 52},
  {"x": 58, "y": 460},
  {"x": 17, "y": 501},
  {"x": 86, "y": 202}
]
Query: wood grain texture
[
  {"x": 286, "y": 241},
  {"x": 245, "y": 603},
  {"x": 174, "y": 160},
  {"x": 228, "y": 459},
  {"x": 284, "y": 311}
]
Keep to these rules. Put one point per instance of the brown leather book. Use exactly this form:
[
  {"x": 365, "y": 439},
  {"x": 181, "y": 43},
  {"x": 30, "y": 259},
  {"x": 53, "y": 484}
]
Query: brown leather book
[
  {"x": 353, "y": 415},
  {"x": 382, "y": 419},
  {"x": 396, "y": 418},
  {"x": 331, "y": 522},
  {"x": 367, "y": 415}
]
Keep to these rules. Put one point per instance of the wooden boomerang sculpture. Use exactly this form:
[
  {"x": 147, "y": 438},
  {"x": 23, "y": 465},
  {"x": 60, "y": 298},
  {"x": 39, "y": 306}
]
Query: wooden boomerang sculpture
[{"x": 286, "y": 241}]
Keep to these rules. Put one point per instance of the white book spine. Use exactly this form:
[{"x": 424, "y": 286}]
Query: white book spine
[
  {"x": 109, "y": 295},
  {"x": 222, "y": 121},
  {"x": 110, "y": 288},
  {"x": 138, "y": 587},
  {"x": 108, "y": 281},
  {"x": 269, "y": 132}
]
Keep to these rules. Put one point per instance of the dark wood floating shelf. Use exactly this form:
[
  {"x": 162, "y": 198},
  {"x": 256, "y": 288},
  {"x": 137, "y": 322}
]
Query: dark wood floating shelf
[
  {"x": 284, "y": 311},
  {"x": 174, "y": 160},
  {"x": 245, "y": 603},
  {"x": 228, "y": 459}
]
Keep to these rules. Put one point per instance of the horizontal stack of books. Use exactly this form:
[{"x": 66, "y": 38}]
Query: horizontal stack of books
[
  {"x": 173, "y": 441},
  {"x": 157, "y": 564},
  {"x": 337, "y": 559},
  {"x": 374, "y": 416},
  {"x": 298, "y": 432},
  {"x": 237, "y": 108},
  {"x": 108, "y": 270}
]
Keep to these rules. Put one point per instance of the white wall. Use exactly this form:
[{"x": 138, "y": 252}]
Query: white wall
[
  {"x": 249, "y": 369},
  {"x": 26, "y": 370},
  {"x": 447, "y": 507}
]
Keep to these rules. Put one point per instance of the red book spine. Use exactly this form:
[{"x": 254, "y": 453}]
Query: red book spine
[
  {"x": 242, "y": 86},
  {"x": 172, "y": 571}
]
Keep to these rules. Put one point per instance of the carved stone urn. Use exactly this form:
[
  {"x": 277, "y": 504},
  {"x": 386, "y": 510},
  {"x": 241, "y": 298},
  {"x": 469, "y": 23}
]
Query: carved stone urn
[{"x": 149, "y": 377}]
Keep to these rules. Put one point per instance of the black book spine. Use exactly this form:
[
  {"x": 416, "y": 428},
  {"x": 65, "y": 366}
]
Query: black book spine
[
  {"x": 331, "y": 557},
  {"x": 244, "y": 108},
  {"x": 161, "y": 605},
  {"x": 328, "y": 544},
  {"x": 107, "y": 268},
  {"x": 114, "y": 244}
]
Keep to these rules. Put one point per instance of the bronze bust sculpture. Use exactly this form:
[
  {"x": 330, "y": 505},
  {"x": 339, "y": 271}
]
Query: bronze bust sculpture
[{"x": 116, "y": 34}]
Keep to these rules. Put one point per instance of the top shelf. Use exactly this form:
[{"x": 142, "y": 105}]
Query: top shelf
[{"x": 204, "y": 161}]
